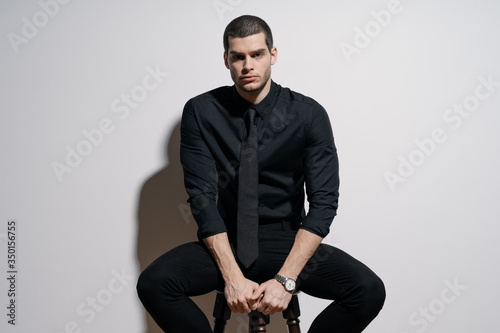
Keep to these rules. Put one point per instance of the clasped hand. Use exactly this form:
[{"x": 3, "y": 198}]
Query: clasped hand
[{"x": 245, "y": 296}]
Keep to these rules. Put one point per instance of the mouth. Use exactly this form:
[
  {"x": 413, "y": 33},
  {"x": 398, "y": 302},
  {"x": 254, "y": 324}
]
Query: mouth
[{"x": 248, "y": 78}]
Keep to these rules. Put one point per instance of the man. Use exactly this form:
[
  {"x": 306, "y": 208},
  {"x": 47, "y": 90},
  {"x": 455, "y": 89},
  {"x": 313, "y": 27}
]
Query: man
[{"x": 295, "y": 146}]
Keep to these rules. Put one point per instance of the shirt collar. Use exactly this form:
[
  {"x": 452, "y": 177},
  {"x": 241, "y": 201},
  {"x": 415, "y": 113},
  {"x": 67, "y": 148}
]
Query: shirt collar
[{"x": 263, "y": 107}]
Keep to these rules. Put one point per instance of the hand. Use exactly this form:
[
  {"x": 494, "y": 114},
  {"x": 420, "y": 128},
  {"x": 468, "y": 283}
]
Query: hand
[
  {"x": 271, "y": 297},
  {"x": 238, "y": 295}
]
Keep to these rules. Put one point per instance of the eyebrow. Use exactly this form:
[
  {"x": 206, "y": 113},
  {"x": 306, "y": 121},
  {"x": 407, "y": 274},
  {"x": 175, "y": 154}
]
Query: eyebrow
[{"x": 262, "y": 50}]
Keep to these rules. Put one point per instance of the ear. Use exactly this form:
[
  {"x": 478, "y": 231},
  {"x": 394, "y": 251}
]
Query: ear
[
  {"x": 274, "y": 55},
  {"x": 225, "y": 61}
]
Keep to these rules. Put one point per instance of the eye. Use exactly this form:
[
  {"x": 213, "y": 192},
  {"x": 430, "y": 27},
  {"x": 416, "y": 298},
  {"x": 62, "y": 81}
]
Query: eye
[
  {"x": 238, "y": 57},
  {"x": 257, "y": 55}
]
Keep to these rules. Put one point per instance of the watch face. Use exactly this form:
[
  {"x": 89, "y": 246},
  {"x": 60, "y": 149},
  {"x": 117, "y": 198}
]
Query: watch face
[{"x": 290, "y": 285}]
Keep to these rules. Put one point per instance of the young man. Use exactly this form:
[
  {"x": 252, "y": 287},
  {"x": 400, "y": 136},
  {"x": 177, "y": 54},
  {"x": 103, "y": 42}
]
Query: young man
[{"x": 258, "y": 265}]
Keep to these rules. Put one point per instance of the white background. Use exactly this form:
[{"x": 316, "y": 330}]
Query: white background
[{"x": 123, "y": 204}]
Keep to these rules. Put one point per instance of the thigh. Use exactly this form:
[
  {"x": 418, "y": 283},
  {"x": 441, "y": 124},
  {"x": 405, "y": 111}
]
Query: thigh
[
  {"x": 188, "y": 269},
  {"x": 331, "y": 273}
]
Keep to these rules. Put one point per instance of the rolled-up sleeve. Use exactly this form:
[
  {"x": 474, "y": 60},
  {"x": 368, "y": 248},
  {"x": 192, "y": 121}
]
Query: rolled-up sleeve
[
  {"x": 200, "y": 175},
  {"x": 321, "y": 173}
]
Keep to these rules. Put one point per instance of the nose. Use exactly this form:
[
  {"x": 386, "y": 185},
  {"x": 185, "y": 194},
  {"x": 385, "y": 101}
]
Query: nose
[{"x": 248, "y": 64}]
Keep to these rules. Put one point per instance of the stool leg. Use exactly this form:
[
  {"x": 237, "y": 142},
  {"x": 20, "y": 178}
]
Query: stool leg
[
  {"x": 221, "y": 313},
  {"x": 257, "y": 322},
  {"x": 291, "y": 314}
]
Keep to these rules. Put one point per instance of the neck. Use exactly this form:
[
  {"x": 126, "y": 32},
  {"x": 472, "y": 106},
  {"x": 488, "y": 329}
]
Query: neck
[{"x": 255, "y": 97}]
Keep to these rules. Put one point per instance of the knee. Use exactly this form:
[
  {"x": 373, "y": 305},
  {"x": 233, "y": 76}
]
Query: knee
[
  {"x": 371, "y": 293},
  {"x": 157, "y": 281},
  {"x": 146, "y": 285},
  {"x": 151, "y": 283},
  {"x": 377, "y": 291}
]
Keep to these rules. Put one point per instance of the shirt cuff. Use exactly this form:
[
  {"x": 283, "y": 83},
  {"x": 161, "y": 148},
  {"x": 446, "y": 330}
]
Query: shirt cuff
[{"x": 207, "y": 216}]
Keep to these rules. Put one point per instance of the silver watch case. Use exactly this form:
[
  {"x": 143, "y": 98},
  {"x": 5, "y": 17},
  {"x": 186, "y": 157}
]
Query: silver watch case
[{"x": 288, "y": 283}]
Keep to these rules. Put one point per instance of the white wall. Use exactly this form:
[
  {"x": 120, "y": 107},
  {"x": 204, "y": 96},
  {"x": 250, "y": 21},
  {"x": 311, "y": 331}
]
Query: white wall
[{"x": 394, "y": 98}]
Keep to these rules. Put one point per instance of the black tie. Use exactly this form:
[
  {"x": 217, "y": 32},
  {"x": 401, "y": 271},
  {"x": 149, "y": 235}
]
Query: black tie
[{"x": 247, "y": 246}]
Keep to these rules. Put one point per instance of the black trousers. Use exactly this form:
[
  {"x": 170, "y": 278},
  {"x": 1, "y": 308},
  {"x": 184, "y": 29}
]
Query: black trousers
[{"x": 189, "y": 270}]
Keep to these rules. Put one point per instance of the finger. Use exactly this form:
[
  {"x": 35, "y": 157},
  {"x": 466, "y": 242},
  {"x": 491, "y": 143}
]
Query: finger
[
  {"x": 233, "y": 308},
  {"x": 236, "y": 306},
  {"x": 269, "y": 303},
  {"x": 272, "y": 307},
  {"x": 257, "y": 293},
  {"x": 253, "y": 306},
  {"x": 251, "y": 302},
  {"x": 255, "y": 299},
  {"x": 262, "y": 305},
  {"x": 277, "y": 308},
  {"x": 244, "y": 307},
  {"x": 240, "y": 309},
  {"x": 270, "y": 310}
]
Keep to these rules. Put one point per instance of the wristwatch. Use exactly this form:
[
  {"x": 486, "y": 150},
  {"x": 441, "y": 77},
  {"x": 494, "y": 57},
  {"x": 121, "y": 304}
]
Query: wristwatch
[{"x": 288, "y": 283}]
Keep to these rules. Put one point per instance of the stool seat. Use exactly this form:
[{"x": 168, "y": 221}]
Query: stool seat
[{"x": 257, "y": 321}]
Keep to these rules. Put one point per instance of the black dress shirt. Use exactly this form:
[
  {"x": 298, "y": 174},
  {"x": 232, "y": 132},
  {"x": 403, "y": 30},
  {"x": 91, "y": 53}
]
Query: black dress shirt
[{"x": 296, "y": 146}]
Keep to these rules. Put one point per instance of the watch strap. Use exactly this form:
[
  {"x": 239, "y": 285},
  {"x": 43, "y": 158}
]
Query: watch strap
[{"x": 283, "y": 280}]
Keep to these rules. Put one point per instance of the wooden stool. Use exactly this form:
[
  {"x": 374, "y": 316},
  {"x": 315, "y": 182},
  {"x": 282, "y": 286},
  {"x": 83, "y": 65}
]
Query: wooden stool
[{"x": 256, "y": 321}]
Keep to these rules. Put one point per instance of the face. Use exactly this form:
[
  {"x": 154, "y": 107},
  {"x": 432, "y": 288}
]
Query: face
[{"x": 249, "y": 61}]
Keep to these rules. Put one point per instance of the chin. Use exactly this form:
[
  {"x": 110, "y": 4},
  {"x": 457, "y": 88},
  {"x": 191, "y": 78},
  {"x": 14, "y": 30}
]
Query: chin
[{"x": 251, "y": 87}]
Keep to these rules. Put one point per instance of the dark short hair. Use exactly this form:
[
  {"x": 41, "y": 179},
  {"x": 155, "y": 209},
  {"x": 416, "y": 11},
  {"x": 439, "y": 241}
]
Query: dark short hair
[{"x": 245, "y": 26}]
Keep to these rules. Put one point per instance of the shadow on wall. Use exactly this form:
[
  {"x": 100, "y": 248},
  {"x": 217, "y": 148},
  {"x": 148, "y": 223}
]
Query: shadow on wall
[{"x": 164, "y": 222}]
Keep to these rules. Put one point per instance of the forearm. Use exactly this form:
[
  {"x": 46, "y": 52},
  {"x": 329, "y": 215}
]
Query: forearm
[
  {"x": 302, "y": 250},
  {"x": 238, "y": 290},
  {"x": 271, "y": 296},
  {"x": 220, "y": 249}
]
